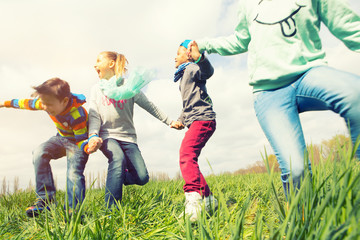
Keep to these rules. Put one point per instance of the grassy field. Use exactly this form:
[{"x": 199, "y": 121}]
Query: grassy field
[{"x": 251, "y": 206}]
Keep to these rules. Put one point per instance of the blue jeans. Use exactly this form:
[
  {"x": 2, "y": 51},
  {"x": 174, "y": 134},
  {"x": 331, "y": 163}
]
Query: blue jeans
[
  {"x": 320, "y": 88},
  {"x": 126, "y": 166},
  {"x": 55, "y": 148}
]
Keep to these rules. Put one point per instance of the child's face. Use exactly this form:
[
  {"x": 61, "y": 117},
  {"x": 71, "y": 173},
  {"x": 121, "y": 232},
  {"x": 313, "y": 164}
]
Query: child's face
[
  {"x": 181, "y": 56},
  {"x": 52, "y": 104},
  {"x": 104, "y": 66}
]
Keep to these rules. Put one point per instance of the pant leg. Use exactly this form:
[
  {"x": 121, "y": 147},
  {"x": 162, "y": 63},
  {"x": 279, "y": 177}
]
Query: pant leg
[
  {"x": 42, "y": 155},
  {"x": 75, "y": 182},
  {"x": 136, "y": 169},
  {"x": 321, "y": 88},
  {"x": 190, "y": 149},
  {"x": 115, "y": 175},
  {"x": 325, "y": 88},
  {"x": 277, "y": 113}
]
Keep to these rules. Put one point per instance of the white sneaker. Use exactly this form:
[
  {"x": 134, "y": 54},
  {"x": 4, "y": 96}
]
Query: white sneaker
[
  {"x": 192, "y": 205},
  {"x": 211, "y": 203}
]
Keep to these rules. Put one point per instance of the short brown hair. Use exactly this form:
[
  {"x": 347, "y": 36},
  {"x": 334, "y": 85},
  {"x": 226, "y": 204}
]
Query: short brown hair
[{"x": 55, "y": 87}]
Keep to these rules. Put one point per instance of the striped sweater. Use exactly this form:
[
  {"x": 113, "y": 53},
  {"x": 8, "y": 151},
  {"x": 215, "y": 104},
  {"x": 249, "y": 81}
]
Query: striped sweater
[{"x": 71, "y": 124}]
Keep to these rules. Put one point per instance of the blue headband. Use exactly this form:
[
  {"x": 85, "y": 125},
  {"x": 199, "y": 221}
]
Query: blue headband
[{"x": 186, "y": 43}]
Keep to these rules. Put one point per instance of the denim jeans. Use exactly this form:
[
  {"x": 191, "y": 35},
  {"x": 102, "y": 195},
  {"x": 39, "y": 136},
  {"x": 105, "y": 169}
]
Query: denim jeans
[
  {"x": 320, "y": 88},
  {"x": 194, "y": 141},
  {"x": 126, "y": 166},
  {"x": 55, "y": 148}
]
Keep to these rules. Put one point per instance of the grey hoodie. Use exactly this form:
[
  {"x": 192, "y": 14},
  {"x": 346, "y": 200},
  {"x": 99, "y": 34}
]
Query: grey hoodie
[
  {"x": 114, "y": 119},
  {"x": 197, "y": 104}
]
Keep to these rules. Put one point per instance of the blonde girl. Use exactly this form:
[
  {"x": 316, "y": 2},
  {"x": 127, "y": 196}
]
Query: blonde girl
[{"x": 111, "y": 126}]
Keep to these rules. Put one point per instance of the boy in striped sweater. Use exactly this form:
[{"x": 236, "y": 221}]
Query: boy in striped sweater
[{"x": 71, "y": 121}]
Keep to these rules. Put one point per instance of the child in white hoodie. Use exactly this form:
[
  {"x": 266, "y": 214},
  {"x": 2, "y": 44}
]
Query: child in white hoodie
[{"x": 289, "y": 73}]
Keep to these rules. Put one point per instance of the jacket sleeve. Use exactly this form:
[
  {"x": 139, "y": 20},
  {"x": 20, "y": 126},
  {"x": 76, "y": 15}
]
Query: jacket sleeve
[
  {"x": 206, "y": 69},
  {"x": 141, "y": 100},
  {"x": 181, "y": 118},
  {"x": 94, "y": 116},
  {"x": 341, "y": 21},
  {"x": 29, "y": 104},
  {"x": 190, "y": 74},
  {"x": 79, "y": 124},
  {"x": 229, "y": 45}
]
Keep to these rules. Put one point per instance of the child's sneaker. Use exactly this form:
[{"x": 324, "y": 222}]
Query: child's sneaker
[
  {"x": 192, "y": 205},
  {"x": 39, "y": 206},
  {"x": 211, "y": 203}
]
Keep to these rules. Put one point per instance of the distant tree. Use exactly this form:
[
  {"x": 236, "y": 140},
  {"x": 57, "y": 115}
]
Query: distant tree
[
  {"x": 89, "y": 180},
  {"x": 98, "y": 181},
  {"x": 314, "y": 152},
  {"x": 103, "y": 178},
  {"x": 30, "y": 186},
  {"x": 159, "y": 176},
  {"x": 3, "y": 189},
  {"x": 273, "y": 163},
  {"x": 16, "y": 184},
  {"x": 178, "y": 176},
  {"x": 331, "y": 149}
]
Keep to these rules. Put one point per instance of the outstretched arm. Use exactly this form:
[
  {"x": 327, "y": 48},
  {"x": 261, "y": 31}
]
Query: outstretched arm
[
  {"x": 230, "y": 45},
  {"x": 29, "y": 104},
  {"x": 143, "y": 101},
  {"x": 94, "y": 141}
]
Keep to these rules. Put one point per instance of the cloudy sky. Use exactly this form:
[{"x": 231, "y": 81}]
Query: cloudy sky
[{"x": 44, "y": 39}]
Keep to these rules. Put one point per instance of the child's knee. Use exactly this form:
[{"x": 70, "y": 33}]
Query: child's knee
[
  {"x": 143, "y": 179},
  {"x": 75, "y": 176},
  {"x": 39, "y": 154}
]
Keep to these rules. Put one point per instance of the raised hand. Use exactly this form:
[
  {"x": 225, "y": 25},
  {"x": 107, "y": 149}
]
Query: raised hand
[{"x": 193, "y": 51}]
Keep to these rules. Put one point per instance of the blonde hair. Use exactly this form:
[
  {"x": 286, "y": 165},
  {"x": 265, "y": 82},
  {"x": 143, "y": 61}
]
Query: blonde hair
[{"x": 120, "y": 62}]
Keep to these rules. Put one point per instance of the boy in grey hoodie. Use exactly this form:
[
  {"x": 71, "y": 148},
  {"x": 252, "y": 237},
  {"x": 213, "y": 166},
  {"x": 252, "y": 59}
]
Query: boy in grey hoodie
[{"x": 198, "y": 115}]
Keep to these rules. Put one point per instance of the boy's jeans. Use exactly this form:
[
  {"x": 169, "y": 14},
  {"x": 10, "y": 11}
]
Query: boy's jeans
[
  {"x": 320, "y": 88},
  {"x": 55, "y": 148},
  {"x": 194, "y": 140},
  {"x": 126, "y": 166}
]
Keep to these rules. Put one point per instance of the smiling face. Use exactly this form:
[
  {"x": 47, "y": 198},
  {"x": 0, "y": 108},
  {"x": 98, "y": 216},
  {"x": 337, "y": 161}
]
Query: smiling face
[
  {"x": 285, "y": 16},
  {"x": 52, "y": 105},
  {"x": 104, "y": 66},
  {"x": 181, "y": 56}
]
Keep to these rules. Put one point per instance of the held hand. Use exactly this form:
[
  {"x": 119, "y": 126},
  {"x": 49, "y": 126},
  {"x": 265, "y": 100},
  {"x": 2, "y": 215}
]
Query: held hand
[
  {"x": 177, "y": 125},
  {"x": 193, "y": 51},
  {"x": 94, "y": 144}
]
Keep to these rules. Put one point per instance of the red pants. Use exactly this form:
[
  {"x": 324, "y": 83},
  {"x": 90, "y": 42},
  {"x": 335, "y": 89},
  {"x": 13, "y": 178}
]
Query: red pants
[{"x": 194, "y": 140}]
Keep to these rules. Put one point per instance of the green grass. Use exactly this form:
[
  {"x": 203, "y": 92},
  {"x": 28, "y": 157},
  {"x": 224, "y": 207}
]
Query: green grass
[{"x": 251, "y": 206}]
